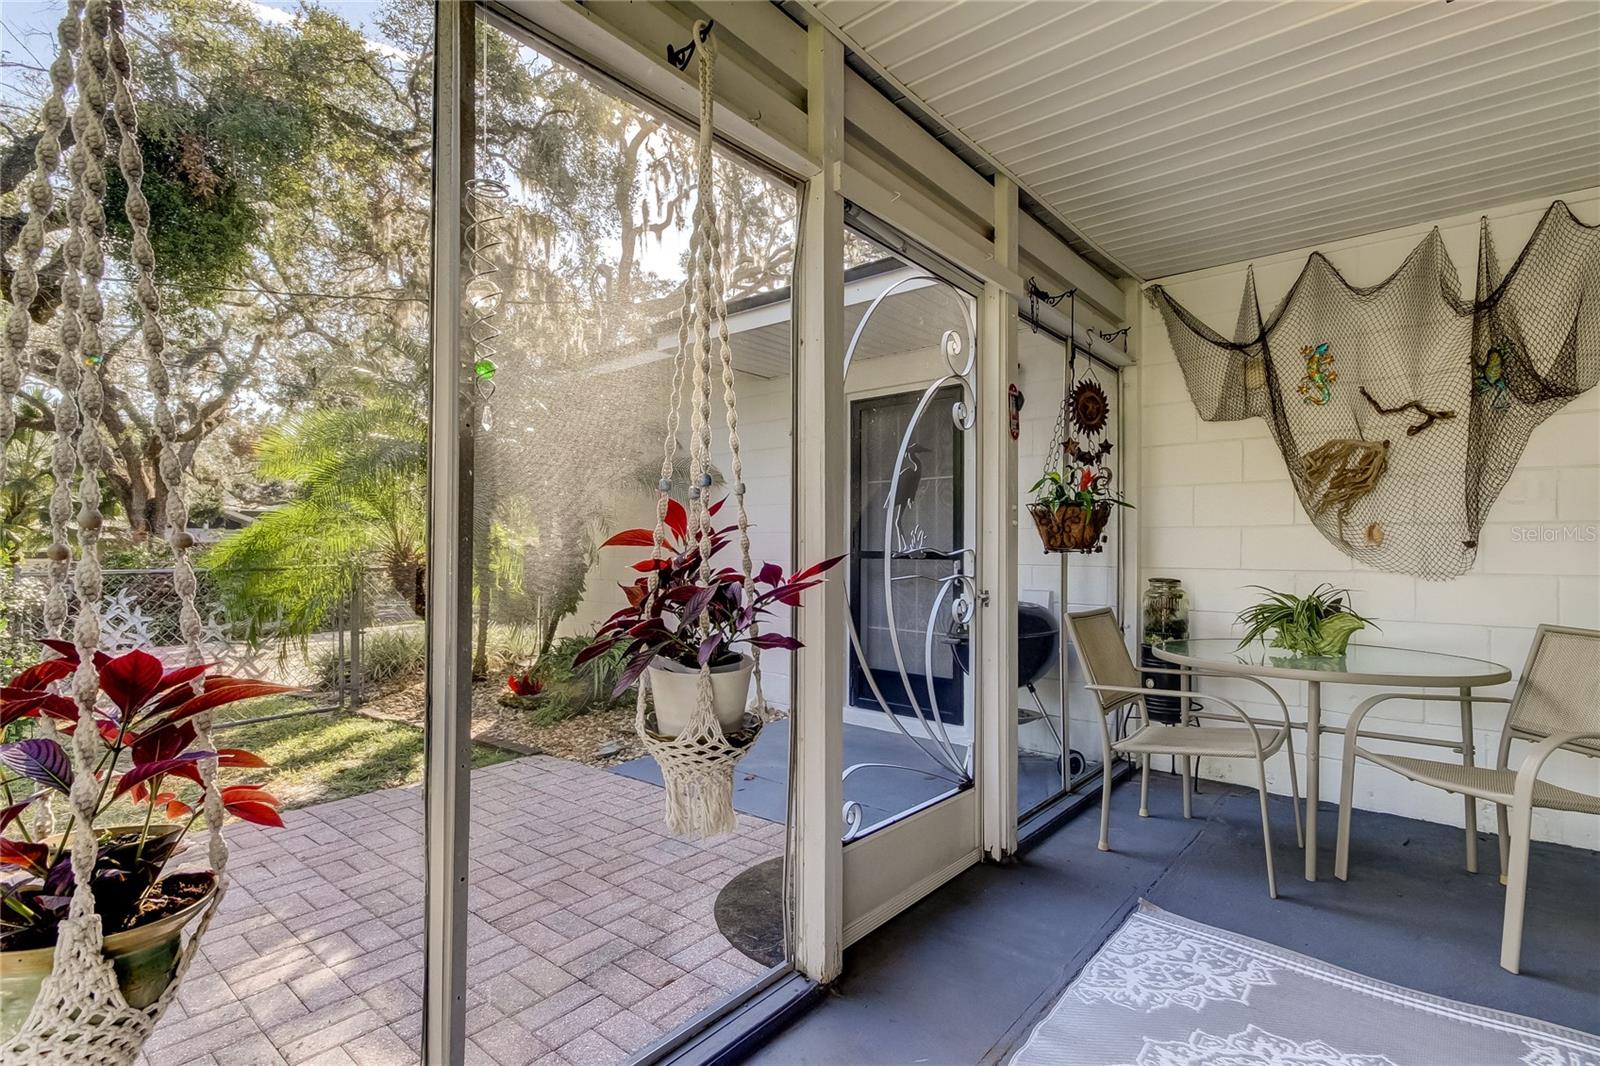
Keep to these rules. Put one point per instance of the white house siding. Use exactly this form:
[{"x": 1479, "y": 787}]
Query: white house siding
[
  {"x": 765, "y": 417},
  {"x": 765, "y": 410},
  {"x": 1218, "y": 511}
]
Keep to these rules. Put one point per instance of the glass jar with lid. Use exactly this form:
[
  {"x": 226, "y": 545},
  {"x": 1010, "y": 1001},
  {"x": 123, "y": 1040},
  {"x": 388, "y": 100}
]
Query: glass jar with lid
[{"x": 1166, "y": 611}]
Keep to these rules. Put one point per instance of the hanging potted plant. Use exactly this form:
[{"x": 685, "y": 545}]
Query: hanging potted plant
[
  {"x": 144, "y": 809},
  {"x": 1318, "y": 624},
  {"x": 1072, "y": 501},
  {"x": 690, "y": 621},
  {"x": 1070, "y": 507}
]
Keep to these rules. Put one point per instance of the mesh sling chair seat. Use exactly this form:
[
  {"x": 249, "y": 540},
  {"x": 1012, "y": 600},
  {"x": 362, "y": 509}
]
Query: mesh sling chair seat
[
  {"x": 1116, "y": 683},
  {"x": 1556, "y": 707}
]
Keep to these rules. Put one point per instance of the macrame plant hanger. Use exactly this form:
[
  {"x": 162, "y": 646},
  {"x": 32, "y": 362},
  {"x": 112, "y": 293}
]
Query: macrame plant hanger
[
  {"x": 1054, "y": 454},
  {"x": 697, "y": 764},
  {"x": 80, "y": 1017}
]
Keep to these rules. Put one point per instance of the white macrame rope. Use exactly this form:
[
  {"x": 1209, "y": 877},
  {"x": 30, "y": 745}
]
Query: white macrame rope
[
  {"x": 697, "y": 764},
  {"x": 63, "y": 458},
  {"x": 30, "y": 242},
  {"x": 171, "y": 466},
  {"x": 24, "y": 288},
  {"x": 80, "y": 1015}
]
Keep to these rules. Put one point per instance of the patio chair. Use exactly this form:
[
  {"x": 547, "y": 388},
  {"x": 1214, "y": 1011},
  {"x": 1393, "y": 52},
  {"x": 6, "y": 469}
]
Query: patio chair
[
  {"x": 1116, "y": 682},
  {"x": 1556, "y": 706}
]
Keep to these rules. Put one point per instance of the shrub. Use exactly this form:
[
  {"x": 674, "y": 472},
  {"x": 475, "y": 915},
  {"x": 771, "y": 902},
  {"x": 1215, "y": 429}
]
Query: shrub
[
  {"x": 511, "y": 647},
  {"x": 599, "y": 677},
  {"x": 387, "y": 655},
  {"x": 567, "y": 691}
]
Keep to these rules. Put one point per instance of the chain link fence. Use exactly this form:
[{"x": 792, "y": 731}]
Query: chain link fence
[{"x": 370, "y": 634}]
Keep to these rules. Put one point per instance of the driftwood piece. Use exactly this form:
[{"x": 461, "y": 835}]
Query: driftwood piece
[
  {"x": 1342, "y": 471},
  {"x": 1430, "y": 416}
]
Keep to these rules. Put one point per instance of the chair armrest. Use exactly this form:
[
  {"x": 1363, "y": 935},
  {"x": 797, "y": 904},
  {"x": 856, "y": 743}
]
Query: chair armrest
[
  {"x": 1352, "y": 728},
  {"x": 1533, "y": 762},
  {"x": 1238, "y": 712},
  {"x": 1269, "y": 723},
  {"x": 1131, "y": 692},
  {"x": 1200, "y": 671}
]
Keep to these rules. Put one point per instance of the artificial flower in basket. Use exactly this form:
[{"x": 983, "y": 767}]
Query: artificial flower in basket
[
  {"x": 689, "y": 623},
  {"x": 524, "y": 687},
  {"x": 149, "y": 797}
]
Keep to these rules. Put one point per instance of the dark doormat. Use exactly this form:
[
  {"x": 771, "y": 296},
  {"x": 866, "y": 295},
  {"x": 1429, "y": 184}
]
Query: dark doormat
[{"x": 749, "y": 912}]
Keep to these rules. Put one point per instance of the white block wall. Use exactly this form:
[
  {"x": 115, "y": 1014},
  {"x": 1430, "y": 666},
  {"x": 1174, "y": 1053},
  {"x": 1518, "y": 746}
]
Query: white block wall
[{"x": 1217, "y": 510}]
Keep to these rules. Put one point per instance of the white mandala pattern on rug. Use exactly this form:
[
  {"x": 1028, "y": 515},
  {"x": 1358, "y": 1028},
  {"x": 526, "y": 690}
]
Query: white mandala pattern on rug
[
  {"x": 1543, "y": 1054},
  {"x": 1254, "y": 1046},
  {"x": 1146, "y": 967}
]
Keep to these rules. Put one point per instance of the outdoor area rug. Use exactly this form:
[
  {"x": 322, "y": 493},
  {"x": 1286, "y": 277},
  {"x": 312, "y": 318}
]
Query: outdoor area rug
[{"x": 1165, "y": 991}]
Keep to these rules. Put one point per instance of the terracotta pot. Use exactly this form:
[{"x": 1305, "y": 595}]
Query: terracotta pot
[
  {"x": 1072, "y": 528},
  {"x": 144, "y": 958},
  {"x": 676, "y": 691}
]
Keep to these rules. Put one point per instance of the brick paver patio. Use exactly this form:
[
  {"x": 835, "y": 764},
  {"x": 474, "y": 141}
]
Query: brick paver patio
[{"x": 590, "y": 934}]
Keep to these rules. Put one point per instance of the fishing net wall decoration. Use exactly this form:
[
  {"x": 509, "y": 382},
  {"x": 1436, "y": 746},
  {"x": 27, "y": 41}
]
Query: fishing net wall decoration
[{"x": 1401, "y": 408}]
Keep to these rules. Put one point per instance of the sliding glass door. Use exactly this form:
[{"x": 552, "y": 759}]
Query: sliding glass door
[
  {"x": 591, "y": 931},
  {"x": 1071, "y": 421}
]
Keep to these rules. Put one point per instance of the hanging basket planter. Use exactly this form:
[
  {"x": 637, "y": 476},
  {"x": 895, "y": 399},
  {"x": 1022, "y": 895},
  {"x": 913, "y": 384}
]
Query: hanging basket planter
[
  {"x": 1073, "y": 496},
  {"x": 1071, "y": 527},
  {"x": 676, "y": 691},
  {"x": 77, "y": 986},
  {"x": 144, "y": 958}
]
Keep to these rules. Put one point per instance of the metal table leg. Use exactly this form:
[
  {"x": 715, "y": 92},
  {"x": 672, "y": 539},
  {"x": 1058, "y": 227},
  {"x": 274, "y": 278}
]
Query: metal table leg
[
  {"x": 1313, "y": 774},
  {"x": 1467, "y": 759}
]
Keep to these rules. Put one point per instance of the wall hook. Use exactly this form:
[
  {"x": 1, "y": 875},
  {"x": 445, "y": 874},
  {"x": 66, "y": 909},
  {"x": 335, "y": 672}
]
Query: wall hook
[{"x": 679, "y": 57}]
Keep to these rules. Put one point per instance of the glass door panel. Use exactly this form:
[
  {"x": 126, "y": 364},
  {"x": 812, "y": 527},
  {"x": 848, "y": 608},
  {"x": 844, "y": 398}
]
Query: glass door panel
[
  {"x": 1056, "y": 753},
  {"x": 596, "y": 931},
  {"x": 910, "y": 808},
  {"x": 292, "y": 262}
]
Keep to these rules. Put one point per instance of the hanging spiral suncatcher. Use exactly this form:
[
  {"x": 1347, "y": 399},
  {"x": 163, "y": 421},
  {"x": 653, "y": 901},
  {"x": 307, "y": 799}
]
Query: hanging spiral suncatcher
[
  {"x": 693, "y": 631},
  {"x": 1073, "y": 497}
]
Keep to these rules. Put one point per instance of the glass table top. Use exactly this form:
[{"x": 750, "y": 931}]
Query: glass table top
[{"x": 1361, "y": 664}]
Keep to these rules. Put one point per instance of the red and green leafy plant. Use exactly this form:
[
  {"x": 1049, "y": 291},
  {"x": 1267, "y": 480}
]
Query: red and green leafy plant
[
  {"x": 687, "y": 620},
  {"x": 147, "y": 770},
  {"x": 1085, "y": 482}
]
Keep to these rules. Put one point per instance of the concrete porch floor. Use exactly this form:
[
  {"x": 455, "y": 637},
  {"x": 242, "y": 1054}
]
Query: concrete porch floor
[
  {"x": 962, "y": 976},
  {"x": 590, "y": 930}
]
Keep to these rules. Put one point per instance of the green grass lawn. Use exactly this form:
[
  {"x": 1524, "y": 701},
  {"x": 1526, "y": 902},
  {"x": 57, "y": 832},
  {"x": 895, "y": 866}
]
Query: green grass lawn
[{"x": 315, "y": 758}]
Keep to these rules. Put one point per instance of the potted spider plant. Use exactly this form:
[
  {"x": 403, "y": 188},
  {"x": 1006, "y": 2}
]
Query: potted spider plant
[
  {"x": 1320, "y": 623},
  {"x": 148, "y": 799},
  {"x": 1070, "y": 508},
  {"x": 689, "y": 621}
]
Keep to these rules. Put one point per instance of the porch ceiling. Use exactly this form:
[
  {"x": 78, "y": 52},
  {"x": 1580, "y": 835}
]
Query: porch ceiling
[{"x": 1180, "y": 136}]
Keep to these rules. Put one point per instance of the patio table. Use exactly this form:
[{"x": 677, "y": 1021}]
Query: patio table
[{"x": 1361, "y": 664}]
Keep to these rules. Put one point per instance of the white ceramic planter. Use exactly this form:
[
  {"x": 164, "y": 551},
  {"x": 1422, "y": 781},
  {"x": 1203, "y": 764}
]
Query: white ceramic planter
[{"x": 676, "y": 689}]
